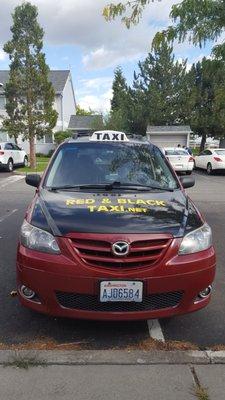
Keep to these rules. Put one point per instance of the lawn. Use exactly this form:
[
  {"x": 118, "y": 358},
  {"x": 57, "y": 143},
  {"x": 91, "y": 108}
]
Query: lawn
[{"x": 42, "y": 163}]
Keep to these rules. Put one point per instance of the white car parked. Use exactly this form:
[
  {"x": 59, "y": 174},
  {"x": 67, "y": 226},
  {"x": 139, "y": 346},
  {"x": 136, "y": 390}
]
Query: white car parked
[
  {"x": 180, "y": 159},
  {"x": 12, "y": 155},
  {"x": 211, "y": 160}
]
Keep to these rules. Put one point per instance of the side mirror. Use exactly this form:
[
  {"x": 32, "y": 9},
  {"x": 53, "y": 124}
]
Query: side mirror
[
  {"x": 187, "y": 181},
  {"x": 33, "y": 180}
]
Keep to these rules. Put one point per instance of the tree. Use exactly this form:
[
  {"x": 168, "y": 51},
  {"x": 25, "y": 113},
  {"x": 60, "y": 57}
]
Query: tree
[
  {"x": 112, "y": 10},
  {"x": 82, "y": 111},
  {"x": 29, "y": 94},
  {"x": 98, "y": 123},
  {"x": 138, "y": 115},
  {"x": 158, "y": 96},
  {"x": 161, "y": 88},
  {"x": 207, "y": 98},
  {"x": 196, "y": 21},
  {"x": 120, "y": 89},
  {"x": 119, "y": 117}
]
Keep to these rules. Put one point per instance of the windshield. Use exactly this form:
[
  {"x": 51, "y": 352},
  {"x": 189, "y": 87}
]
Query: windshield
[
  {"x": 176, "y": 152},
  {"x": 105, "y": 163}
]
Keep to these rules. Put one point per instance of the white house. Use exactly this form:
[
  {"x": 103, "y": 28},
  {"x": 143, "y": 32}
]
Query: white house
[{"x": 65, "y": 105}]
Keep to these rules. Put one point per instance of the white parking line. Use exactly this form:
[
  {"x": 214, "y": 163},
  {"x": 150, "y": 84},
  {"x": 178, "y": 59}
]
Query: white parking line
[
  {"x": 10, "y": 179},
  {"x": 155, "y": 330},
  {"x": 8, "y": 215}
]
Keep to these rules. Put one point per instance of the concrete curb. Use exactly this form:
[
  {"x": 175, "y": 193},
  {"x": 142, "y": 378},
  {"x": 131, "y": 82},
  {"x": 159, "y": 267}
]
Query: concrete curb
[
  {"x": 27, "y": 173},
  {"x": 114, "y": 357},
  {"x": 19, "y": 173}
]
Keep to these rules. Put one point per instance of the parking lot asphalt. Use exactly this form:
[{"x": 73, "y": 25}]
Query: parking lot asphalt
[{"x": 18, "y": 325}]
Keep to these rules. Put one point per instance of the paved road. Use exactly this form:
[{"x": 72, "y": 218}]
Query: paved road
[
  {"x": 18, "y": 325},
  {"x": 206, "y": 327}
]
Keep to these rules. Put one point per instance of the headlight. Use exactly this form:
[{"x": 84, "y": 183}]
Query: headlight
[
  {"x": 37, "y": 239},
  {"x": 198, "y": 240}
]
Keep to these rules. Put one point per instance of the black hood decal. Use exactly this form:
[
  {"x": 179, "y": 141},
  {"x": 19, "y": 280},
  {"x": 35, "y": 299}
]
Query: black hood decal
[{"x": 145, "y": 212}]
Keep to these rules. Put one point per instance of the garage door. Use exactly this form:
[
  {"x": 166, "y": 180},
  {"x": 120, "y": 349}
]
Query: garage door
[{"x": 168, "y": 140}]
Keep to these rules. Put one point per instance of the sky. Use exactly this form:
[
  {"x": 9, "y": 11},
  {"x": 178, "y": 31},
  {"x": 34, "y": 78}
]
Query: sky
[{"x": 78, "y": 38}]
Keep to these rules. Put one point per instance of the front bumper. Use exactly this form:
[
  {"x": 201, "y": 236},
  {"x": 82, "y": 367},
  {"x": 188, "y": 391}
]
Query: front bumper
[{"x": 49, "y": 275}]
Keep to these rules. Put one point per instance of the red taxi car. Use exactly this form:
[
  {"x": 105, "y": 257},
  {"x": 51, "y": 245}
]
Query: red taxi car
[{"x": 112, "y": 235}]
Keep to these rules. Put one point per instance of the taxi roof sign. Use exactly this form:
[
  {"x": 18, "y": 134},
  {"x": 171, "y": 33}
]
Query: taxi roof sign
[{"x": 109, "y": 136}]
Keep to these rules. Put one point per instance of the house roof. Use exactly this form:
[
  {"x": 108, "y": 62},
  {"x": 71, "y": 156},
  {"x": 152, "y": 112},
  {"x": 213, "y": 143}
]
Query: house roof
[
  {"x": 57, "y": 77},
  {"x": 182, "y": 129},
  {"x": 84, "y": 122}
]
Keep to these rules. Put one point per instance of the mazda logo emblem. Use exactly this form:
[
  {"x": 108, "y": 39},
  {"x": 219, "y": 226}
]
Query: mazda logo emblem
[{"x": 120, "y": 248}]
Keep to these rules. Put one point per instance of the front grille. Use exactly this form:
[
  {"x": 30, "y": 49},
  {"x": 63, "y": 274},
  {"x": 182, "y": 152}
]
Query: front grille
[
  {"x": 91, "y": 302},
  {"x": 142, "y": 253}
]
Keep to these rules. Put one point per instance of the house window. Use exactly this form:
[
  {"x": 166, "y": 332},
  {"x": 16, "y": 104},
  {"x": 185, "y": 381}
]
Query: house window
[
  {"x": 41, "y": 140},
  {"x": 48, "y": 138},
  {"x": 2, "y": 102},
  {"x": 45, "y": 139}
]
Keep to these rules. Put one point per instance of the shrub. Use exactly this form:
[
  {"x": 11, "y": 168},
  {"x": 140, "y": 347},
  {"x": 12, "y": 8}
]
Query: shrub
[
  {"x": 50, "y": 153},
  {"x": 40, "y": 155},
  {"x": 61, "y": 136}
]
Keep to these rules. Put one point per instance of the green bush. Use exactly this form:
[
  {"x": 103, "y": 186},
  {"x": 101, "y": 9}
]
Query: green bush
[
  {"x": 195, "y": 151},
  {"x": 61, "y": 136},
  {"x": 50, "y": 153},
  {"x": 40, "y": 155}
]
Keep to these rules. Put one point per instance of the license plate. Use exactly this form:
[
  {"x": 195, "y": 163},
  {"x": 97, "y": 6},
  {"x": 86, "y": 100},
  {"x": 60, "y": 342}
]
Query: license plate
[
  {"x": 126, "y": 291},
  {"x": 179, "y": 165}
]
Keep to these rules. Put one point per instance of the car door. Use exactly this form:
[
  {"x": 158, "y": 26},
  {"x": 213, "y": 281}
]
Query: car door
[
  {"x": 9, "y": 152},
  {"x": 207, "y": 159},
  {"x": 16, "y": 153},
  {"x": 19, "y": 154},
  {"x": 199, "y": 160}
]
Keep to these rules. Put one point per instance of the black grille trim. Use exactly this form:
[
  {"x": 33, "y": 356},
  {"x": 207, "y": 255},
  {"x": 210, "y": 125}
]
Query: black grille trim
[{"x": 89, "y": 302}]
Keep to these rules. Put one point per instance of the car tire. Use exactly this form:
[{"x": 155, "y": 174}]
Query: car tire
[
  {"x": 209, "y": 169},
  {"x": 25, "y": 161},
  {"x": 9, "y": 166}
]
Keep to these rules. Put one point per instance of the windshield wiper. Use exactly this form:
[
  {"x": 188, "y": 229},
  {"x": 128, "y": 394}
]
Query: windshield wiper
[
  {"x": 111, "y": 186},
  {"x": 138, "y": 186},
  {"x": 106, "y": 186}
]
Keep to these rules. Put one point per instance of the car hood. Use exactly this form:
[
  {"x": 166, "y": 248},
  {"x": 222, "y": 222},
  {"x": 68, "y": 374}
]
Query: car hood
[{"x": 112, "y": 212}]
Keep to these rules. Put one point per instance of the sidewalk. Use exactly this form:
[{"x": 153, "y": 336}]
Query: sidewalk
[{"x": 112, "y": 375}]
